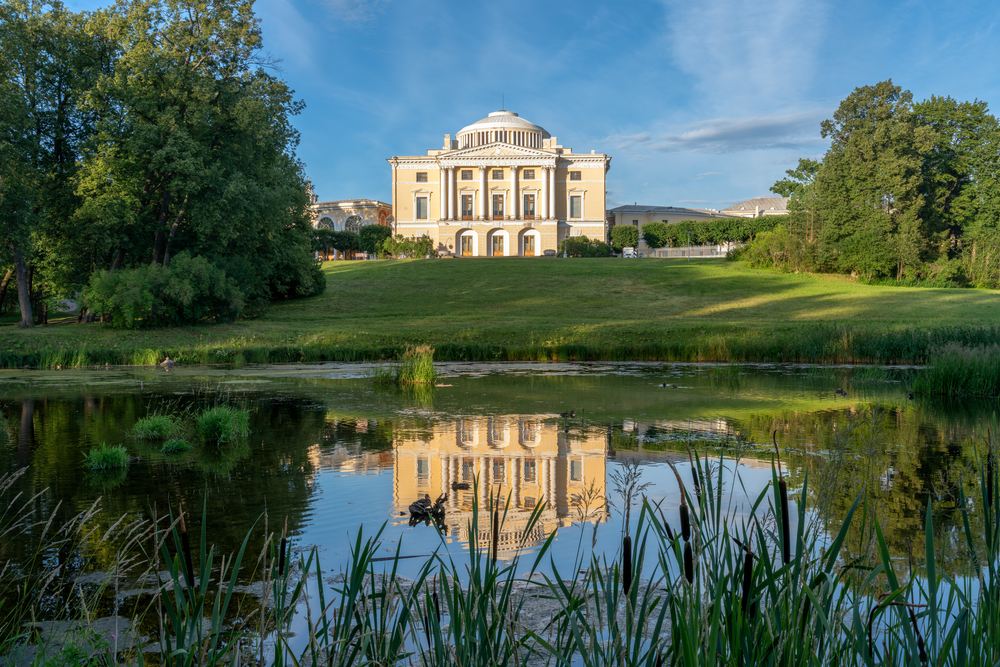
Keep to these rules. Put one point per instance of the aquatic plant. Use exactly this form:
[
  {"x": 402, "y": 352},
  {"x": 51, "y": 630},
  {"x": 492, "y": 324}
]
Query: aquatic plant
[
  {"x": 957, "y": 369},
  {"x": 415, "y": 366},
  {"x": 106, "y": 457},
  {"x": 156, "y": 426},
  {"x": 176, "y": 447},
  {"x": 223, "y": 424}
]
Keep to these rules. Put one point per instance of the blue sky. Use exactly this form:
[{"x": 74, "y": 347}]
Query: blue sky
[{"x": 700, "y": 103}]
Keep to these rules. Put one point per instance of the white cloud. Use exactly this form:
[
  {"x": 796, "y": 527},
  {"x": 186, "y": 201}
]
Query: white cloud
[{"x": 706, "y": 174}]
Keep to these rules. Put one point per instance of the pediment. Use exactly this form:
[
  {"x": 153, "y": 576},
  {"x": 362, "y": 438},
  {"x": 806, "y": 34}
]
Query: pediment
[{"x": 496, "y": 150}]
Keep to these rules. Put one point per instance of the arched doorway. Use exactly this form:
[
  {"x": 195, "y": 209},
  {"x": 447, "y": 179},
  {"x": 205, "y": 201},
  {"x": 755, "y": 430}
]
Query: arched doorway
[
  {"x": 497, "y": 243},
  {"x": 466, "y": 243},
  {"x": 530, "y": 242}
]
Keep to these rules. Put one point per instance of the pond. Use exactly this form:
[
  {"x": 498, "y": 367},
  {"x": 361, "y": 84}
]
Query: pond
[{"x": 331, "y": 454}]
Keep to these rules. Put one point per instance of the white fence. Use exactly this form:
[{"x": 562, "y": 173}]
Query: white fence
[{"x": 704, "y": 251}]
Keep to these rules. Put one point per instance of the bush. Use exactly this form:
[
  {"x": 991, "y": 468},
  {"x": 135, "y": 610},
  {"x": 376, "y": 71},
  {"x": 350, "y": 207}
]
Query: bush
[
  {"x": 415, "y": 366},
  {"x": 190, "y": 290},
  {"x": 581, "y": 246},
  {"x": 106, "y": 457},
  {"x": 176, "y": 447},
  {"x": 624, "y": 236},
  {"x": 223, "y": 424},
  {"x": 412, "y": 247},
  {"x": 718, "y": 231},
  {"x": 156, "y": 427},
  {"x": 371, "y": 238},
  {"x": 655, "y": 234}
]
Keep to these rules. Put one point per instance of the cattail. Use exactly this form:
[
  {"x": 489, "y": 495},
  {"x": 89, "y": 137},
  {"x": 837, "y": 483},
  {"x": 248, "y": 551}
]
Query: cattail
[
  {"x": 688, "y": 563},
  {"x": 434, "y": 598},
  {"x": 920, "y": 640},
  {"x": 786, "y": 540},
  {"x": 281, "y": 551},
  {"x": 186, "y": 546},
  {"x": 659, "y": 660},
  {"x": 626, "y": 564},
  {"x": 496, "y": 532},
  {"x": 695, "y": 473},
  {"x": 989, "y": 478},
  {"x": 685, "y": 516},
  {"x": 747, "y": 580}
]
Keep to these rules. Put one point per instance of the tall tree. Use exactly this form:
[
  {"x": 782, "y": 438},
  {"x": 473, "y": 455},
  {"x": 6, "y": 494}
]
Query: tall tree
[{"x": 869, "y": 185}]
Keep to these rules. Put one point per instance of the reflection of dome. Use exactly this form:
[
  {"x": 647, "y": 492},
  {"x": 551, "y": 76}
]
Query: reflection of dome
[{"x": 502, "y": 126}]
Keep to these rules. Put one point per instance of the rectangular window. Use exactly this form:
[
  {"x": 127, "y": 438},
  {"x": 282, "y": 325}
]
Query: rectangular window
[
  {"x": 497, "y": 252},
  {"x": 421, "y": 208},
  {"x": 635, "y": 222},
  {"x": 466, "y": 174},
  {"x": 468, "y": 469},
  {"x": 467, "y": 250},
  {"x": 498, "y": 472},
  {"x": 529, "y": 207},
  {"x": 528, "y": 502},
  {"x": 423, "y": 469},
  {"x": 576, "y": 470},
  {"x": 576, "y": 206},
  {"x": 529, "y": 251},
  {"x": 468, "y": 434},
  {"x": 530, "y": 470},
  {"x": 466, "y": 207},
  {"x": 498, "y": 174},
  {"x": 574, "y": 176},
  {"x": 529, "y": 174},
  {"x": 421, "y": 177},
  {"x": 498, "y": 207}
]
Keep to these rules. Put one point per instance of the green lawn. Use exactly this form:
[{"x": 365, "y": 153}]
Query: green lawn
[{"x": 555, "y": 308}]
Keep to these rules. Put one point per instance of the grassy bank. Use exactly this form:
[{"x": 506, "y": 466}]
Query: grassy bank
[{"x": 553, "y": 309}]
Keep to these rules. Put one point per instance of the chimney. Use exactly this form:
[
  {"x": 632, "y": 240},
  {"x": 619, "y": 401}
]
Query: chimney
[{"x": 447, "y": 142}]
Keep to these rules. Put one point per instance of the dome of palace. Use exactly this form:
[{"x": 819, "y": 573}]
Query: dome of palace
[{"x": 502, "y": 126}]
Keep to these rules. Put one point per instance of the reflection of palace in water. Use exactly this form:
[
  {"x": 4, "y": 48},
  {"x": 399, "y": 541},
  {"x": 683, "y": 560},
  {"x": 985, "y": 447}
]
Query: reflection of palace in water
[{"x": 524, "y": 458}]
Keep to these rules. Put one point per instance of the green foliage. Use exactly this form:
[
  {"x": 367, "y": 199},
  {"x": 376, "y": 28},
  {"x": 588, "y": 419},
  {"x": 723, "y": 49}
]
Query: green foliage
[
  {"x": 106, "y": 457},
  {"x": 372, "y": 237},
  {"x": 223, "y": 424},
  {"x": 408, "y": 247},
  {"x": 624, "y": 236},
  {"x": 414, "y": 366},
  {"x": 581, "y": 246},
  {"x": 172, "y": 447},
  {"x": 345, "y": 241},
  {"x": 798, "y": 180},
  {"x": 156, "y": 426},
  {"x": 960, "y": 370},
  {"x": 718, "y": 231},
  {"x": 654, "y": 234},
  {"x": 190, "y": 291}
]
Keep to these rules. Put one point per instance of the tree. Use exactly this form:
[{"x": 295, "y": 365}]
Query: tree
[
  {"x": 869, "y": 185},
  {"x": 581, "y": 246},
  {"x": 624, "y": 236},
  {"x": 371, "y": 238},
  {"x": 655, "y": 234},
  {"x": 345, "y": 241},
  {"x": 797, "y": 179}
]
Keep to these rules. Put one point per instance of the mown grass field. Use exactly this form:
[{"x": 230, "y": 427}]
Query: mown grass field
[{"x": 664, "y": 309}]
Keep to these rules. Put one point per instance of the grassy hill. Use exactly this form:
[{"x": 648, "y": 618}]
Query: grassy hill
[{"x": 514, "y": 308}]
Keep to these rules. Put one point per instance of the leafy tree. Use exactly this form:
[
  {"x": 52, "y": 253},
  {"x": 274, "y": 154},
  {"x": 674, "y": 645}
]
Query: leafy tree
[
  {"x": 797, "y": 179},
  {"x": 322, "y": 241},
  {"x": 371, "y": 238},
  {"x": 411, "y": 247},
  {"x": 581, "y": 246},
  {"x": 869, "y": 185},
  {"x": 654, "y": 234},
  {"x": 345, "y": 241},
  {"x": 624, "y": 236}
]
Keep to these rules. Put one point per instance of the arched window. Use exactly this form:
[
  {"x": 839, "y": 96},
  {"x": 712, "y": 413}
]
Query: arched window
[
  {"x": 325, "y": 223},
  {"x": 353, "y": 223}
]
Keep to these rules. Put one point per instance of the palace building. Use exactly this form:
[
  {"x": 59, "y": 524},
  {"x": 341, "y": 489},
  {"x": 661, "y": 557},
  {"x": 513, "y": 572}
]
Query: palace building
[{"x": 502, "y": 187}]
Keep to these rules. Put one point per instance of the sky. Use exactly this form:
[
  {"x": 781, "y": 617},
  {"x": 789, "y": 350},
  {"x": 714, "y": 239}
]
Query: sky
[{"x": 699, "y": 103}]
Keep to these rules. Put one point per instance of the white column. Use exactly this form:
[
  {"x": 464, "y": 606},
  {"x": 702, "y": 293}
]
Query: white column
[
  {"x": 552, "y": 193},
  {"x": 543, "y": 208},
  {"x": 451, "y": 193},
  {"x": 482, "y": 194},
  {"x": 444, "y": 193},
  {"x": 514, "y": 205}
]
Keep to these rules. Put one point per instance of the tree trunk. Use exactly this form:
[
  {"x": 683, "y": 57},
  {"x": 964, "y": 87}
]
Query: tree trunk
[
  {"x": 26, "y": 433},
  {"x": 173, "y": 233},
  {"x": 4, "y": 284},
  {"x": 161, "y": 223},
  {"x": 23, "y": 295},
  {"x": 119, "y": 258}
]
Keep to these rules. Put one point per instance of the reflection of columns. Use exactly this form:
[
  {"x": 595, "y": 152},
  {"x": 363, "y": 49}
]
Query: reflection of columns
[
  {"x": 553, "y": 489},
  {"x": 484, "y": 484},
  {"x": 515, "y": 498},
  {"x": 544, "y": 209},
  {"x": 482, "y": 193},
  {"x": 450, "y": 171},
  {"x": 443, "y": 470},
  {"x": 444, "y": 193},
  {"x": 543, "y": 479},
  {"x": 513, "y": 206},
  {"x": 552, "y": 193}
]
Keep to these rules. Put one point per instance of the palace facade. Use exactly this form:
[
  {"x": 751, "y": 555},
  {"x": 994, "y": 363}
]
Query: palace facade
[{"x": 502, "y": 187}]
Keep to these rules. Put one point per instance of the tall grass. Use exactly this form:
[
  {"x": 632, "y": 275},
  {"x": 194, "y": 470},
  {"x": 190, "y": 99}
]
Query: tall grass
[
  {"x": 223, "y": 424},
  {"x": 415, "y": 366},
  {"x": 957, "y": 369},
  {"x": 106, "y": 457},
  {"x": 157, "y": 426}
]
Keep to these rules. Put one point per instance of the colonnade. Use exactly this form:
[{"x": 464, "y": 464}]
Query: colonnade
[
  {"x": 512, "y": 480},
  {"x": 545, "y": 208}
]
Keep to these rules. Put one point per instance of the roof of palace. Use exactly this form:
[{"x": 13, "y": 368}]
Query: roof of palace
[
  {"x": 640, "y": 208},
  {"x": 504, "y": 120},
  {"x": 764, "y": 203}
]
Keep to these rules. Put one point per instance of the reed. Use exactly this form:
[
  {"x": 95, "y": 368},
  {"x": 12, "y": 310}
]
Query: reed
[
  {"x": 156, "y": 426},
  {"x": 173, "y": 447},
  {"x": 223, "y": 424},
  {"x": 956, "y": 369},
  {"x": 414, "y": 366},
  {"x": 106, "y": 457}
]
